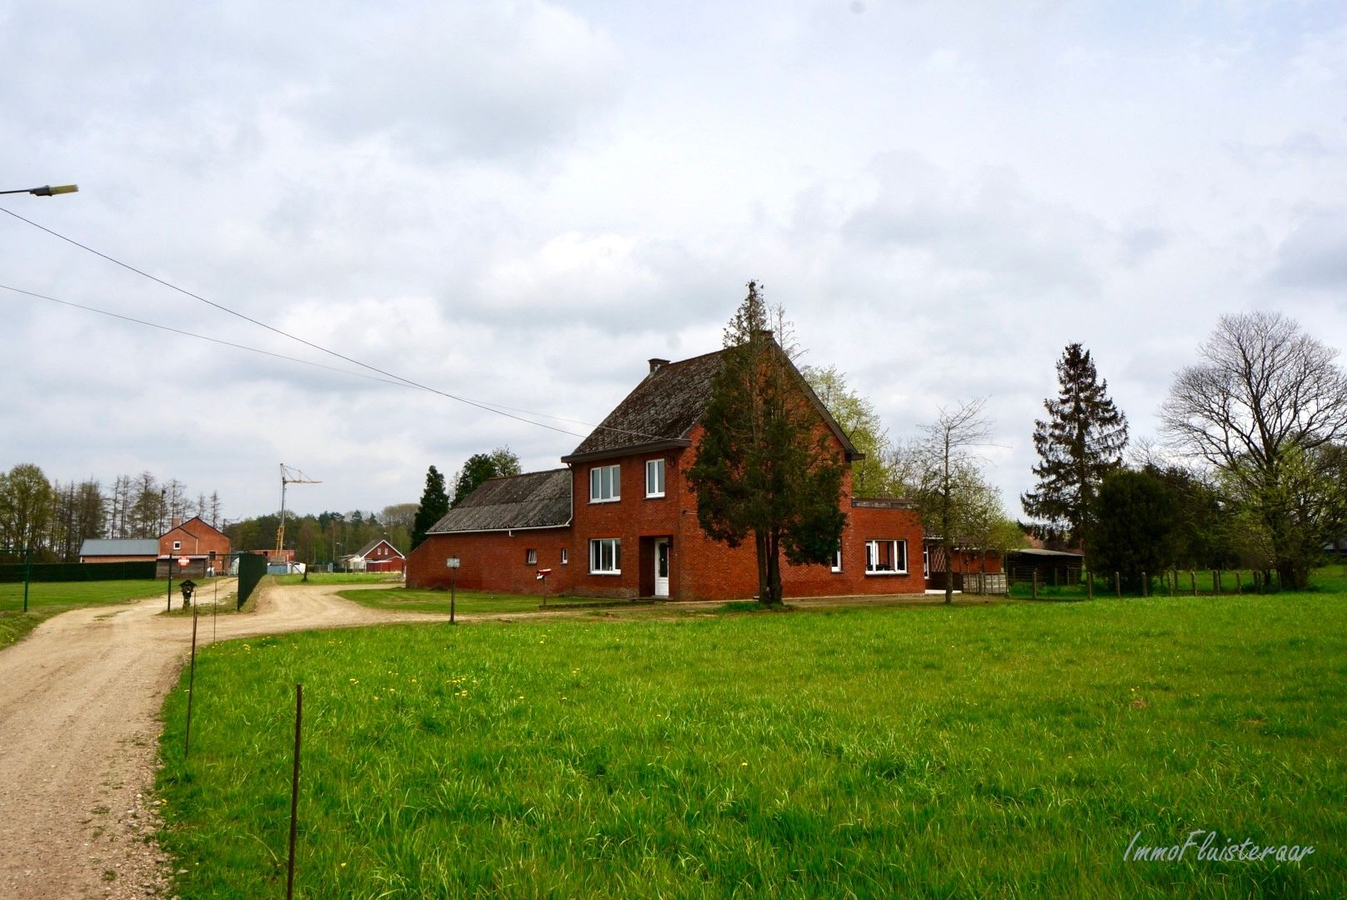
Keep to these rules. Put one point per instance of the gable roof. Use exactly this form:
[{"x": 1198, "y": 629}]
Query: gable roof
[
  {"x": 661, "y": 411},
  {"x": 120, "y": 547},
  {"x": 365, "y": 550},
  {"x": 531, "y": 500},
  {"x": 194, "y": 532}
]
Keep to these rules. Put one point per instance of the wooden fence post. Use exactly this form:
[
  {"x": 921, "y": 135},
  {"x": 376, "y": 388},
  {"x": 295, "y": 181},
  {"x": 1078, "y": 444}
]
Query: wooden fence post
[
  {"x": 1216, "y": 582},
  {"x": 1089, "y": 585},
  {"x": 1145, "y": 585},
  {"x": 1192, "y": 575},
  {"x": 1035, "y": 580},
  {"x": 1117, "y": 585}
]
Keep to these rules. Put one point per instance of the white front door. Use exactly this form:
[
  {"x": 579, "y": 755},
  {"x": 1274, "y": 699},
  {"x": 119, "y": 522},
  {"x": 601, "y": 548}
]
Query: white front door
[{"x": 662, "y": 567}]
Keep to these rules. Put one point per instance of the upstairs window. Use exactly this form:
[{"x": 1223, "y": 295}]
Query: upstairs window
[
  {"x": 177, "y": 545},
  {"x": 565, "y": 556},
  {"x": 886, "y": 557},
  {"x": 605, "y": 484},
  {"x": 530, "y": 557},
  {"x": 654, "y": 478}
]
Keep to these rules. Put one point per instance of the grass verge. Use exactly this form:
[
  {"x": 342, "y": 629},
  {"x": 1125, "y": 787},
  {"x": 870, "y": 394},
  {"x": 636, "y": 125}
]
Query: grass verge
[
  {"x": 1006, "y": 750},
  {"x": 47, "y": 599},
  {"x": 464, "y": 601}
]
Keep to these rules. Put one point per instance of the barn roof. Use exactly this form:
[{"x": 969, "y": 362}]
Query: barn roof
[
  {"x": 532, "y": 500},
  {"x": 120, "y": 547}
]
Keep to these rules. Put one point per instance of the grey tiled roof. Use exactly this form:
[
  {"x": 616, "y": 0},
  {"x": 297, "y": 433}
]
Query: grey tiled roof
[
  {"x": 663, "y": 407},
  {"x": 668, "y": 403},
  {"x": 532, "y": 500},
  {"x": 120, "y": 547}
]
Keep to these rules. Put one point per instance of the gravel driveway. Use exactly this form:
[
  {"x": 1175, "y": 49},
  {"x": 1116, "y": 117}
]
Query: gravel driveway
[{"x": 79, "y": 701}]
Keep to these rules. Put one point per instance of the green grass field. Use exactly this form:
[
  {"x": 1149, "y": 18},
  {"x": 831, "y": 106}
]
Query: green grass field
[
  {"x": 1006, "y": 750},
  {"x": 464, "y": 601},
  {"x": 46, "y": 599}
]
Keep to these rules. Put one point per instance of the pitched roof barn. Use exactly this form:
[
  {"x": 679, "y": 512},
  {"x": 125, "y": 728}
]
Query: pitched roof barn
[{"x": 532, "y": 500}]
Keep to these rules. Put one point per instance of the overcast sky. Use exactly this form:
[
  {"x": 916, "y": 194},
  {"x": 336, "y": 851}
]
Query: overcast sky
[{"x": 520, "y": 203}]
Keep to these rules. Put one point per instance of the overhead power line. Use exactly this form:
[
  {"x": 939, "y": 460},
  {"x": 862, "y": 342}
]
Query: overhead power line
[{"x": 499, "y": 409}]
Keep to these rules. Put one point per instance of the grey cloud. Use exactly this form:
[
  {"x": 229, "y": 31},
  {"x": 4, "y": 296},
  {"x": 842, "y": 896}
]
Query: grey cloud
[{"x": 1314, "y": 255}]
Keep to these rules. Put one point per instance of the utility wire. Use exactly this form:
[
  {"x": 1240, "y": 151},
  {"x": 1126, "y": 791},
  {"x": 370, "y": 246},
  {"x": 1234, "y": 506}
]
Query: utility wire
[{"x": 498, "y": 409}]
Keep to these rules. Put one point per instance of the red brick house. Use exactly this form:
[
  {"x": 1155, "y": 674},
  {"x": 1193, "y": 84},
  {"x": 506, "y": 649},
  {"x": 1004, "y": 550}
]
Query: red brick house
[
  {"x": 621, "y": 519},
  {"x": 378, "y": 556},
  {"x": 196, "y": 541}
]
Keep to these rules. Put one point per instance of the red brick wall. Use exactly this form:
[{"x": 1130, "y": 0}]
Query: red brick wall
[
  {"x": 197, "y": 539},
  {"x": 494, "y": 561},
  {"x": 704, "y": 569}
]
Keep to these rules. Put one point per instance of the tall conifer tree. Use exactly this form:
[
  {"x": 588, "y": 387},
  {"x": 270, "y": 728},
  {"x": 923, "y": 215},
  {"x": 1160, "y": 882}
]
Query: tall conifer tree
[
  {"x": 434, "y": 504},
  {"x": 764, "y": 469},
  {"x": 1080, "y": 442}
]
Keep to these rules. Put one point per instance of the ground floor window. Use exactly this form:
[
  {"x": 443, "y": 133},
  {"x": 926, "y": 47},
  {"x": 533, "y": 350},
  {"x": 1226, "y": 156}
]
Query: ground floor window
[
  {"x": 565, "y": 556},
  {"x": 885, "y": 557},
  {"x": 530, "y": 557},
  {"x": 837, "y": 559},
  {"x": 605, "y": 556}
]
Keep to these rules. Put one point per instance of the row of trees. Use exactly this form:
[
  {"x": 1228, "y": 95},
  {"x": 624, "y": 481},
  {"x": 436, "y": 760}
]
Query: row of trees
[
  {"x": 325, "y": 538},
  {"x": 1254, "y": 473},
  {"x": 55, "y": 518}
]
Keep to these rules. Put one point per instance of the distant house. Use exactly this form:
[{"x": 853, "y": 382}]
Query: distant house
[
  {"x": 621, "y": 519},
  {"x": 378, "y": 556},
  {"x": 117, "y": 550},
  {"x": 205, "y": 548}
]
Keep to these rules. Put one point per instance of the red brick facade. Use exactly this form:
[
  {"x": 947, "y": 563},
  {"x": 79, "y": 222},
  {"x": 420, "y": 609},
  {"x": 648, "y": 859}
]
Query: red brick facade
[
  {"x": 626, "y": 541},
  {"x": 195, "y": 539},
  {"x": 698, "y": 567}
]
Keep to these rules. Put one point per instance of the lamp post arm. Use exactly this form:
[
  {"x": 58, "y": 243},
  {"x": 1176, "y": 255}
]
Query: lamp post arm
[{"x": 47, "y": 190}]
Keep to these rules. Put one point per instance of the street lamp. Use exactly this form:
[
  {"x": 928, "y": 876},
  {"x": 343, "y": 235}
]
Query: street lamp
[{"x": 47, "y": 190}]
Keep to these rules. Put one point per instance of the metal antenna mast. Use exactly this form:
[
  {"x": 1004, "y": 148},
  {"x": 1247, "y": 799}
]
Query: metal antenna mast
[{"x": 289, "y": 476}]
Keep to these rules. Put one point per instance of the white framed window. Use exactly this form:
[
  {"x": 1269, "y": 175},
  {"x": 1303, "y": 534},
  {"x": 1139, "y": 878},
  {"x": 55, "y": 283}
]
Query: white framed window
[
  {"x": 565, "y": 556},
  {"x": 530, "y": 557},
  {"x": 177, "y": 545},
  {"x": 886, "y": 557},
  {"x": 654, "y": 478},
  {"x": 837, "y": 559},
  {"x": 605, "y": 484},
  {"x": 925, "y": 562},
  {"x": 605, "y": 556}
]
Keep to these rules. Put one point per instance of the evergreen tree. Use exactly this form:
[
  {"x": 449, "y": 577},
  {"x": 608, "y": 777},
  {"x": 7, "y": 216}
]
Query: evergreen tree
[
  {"x": 434, "y": 504},
  {"x": 1081, "y": 441},
  {"x": 1135, "y": 526},
  {"x": 482, "y": 467},
  {"x": 763, "y": 467}
]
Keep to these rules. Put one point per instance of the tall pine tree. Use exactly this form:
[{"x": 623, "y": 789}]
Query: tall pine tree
[
  {"x": 764, "y": 468},
  {"x": 434, "y": 504},
  {"x": 1081, "y": 441}
]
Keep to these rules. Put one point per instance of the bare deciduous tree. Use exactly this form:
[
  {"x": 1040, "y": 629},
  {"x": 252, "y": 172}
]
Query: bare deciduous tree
[
  {"x": 1261, "y": 406},
  {"x": 944, "y": 464}
]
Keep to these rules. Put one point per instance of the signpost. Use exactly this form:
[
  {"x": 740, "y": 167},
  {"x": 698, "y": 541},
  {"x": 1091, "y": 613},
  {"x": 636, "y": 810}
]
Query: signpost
[
  {"x": 453, "y": 564},
  {"x": 542, "y": 576}
]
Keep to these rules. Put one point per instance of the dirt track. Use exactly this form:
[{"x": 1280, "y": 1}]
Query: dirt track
[{"x": 79, "y": 700}]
